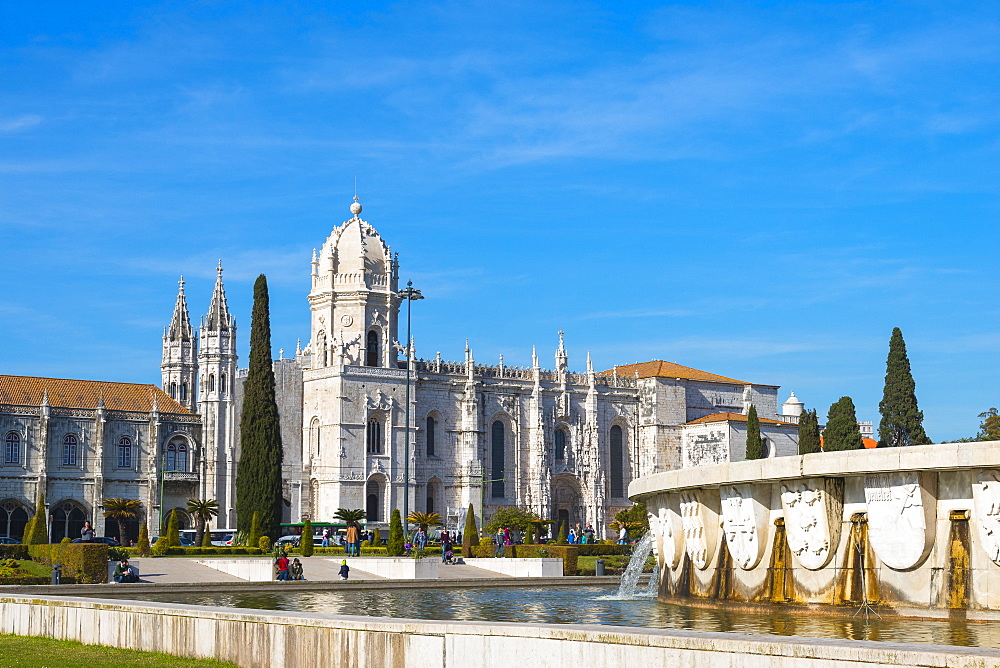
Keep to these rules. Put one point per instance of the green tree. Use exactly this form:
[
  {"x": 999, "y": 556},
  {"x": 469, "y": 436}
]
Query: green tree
[
  {"x": 511, "y": 516},
  {"x": 258, "y": 473},
  {"x": 470, "y": 535},
  {"x": 563, "y": 538},
  {"x": 902, "y": 422},
  {"x": 173, "y": 536},
  {"x": 842, "y": 431},
  {"x": 394, "y": 546},
  {"x": 755, "y": 444},
  {"x": 808, "y": 433},
  {"x": 253, "y": 538},
  {"x": 635, "y": 519},
  {"x": 36, "y": 533},
  {"x": 206, "y": 538},
  {"x": 122, "y": 510},
  {"x": 306, "y": 542},
  {"x": 424, "y": 520},
  {"x": 202, "y": 510},
  {"x": 142, "y": 545},
  {"x": 348, "y": 515},
  {"x": 376, "y": 537}
]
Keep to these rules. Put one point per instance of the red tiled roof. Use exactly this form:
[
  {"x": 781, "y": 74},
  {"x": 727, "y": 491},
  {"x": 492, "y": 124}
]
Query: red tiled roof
[
  {"x": 659, "y": 368},
  {"x": 66, "y": 393},
  {"x": 735, "y": 417}
]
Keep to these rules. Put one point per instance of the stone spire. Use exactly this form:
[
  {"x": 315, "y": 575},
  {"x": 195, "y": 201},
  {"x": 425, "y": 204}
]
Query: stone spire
[
  {"x": 180, "y": 325},
  {"x": 218, "y": 317}
]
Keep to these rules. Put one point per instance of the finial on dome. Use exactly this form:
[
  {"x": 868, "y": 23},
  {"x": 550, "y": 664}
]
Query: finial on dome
[{"x": 355, "y": 206}]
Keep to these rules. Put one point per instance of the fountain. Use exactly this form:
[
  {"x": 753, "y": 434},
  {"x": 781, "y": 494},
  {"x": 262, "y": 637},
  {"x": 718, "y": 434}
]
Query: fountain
[{"x": 630, "y": 578}]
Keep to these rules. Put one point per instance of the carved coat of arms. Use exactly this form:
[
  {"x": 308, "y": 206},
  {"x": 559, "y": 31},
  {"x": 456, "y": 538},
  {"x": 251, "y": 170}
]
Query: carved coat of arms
[
  {"x": 700, "y": 525},
  {"x": 745, "y": 524},
  {"x": 986, "y": 501},
  {"x": 668, "y": 536},
  {"x": 900, "y": 511},
  {"x": 813, "y": 512}
]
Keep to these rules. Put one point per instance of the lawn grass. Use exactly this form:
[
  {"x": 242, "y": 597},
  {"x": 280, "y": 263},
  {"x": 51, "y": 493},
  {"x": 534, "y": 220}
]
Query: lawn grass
[{"x": 32, "y": 652}]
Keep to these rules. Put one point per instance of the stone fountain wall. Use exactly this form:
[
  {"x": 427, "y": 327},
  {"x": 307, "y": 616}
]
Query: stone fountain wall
[{"x": 914, "y": 527}]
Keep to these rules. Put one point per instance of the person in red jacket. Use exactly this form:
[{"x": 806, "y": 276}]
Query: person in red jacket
[{"x": 282, "y": 567}]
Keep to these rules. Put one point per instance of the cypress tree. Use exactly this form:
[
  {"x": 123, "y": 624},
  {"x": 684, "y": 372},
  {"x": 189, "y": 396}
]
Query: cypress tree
[
  {"x": 173, "y": 536},
  {"x": 394, "y": 546},
  {"x": 306, "y": 542},
  {"x": 376, "y": 537},
  {"x": 470, "y": 536},
  {"x": 842, "y": 431},
  {"x": 253, "y": 539},
  {"x": 206, "y": 537},
  {"x": 808, "y": 433},
  {"x": 902, "y": 422},
  {"x": 142, "y": 546},
  {"x": 36, "y": 533},
  {"x": 258, "y": 473},
  {"x": 755, "y": 445},
  {"x": 563, "y": 538}
]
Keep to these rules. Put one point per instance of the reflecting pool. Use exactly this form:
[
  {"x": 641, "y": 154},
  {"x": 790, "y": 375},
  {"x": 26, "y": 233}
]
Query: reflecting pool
[{"x": 597, "y": 605}]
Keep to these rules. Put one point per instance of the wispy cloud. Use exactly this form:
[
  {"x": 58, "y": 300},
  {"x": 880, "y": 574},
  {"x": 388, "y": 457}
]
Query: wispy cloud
[{"x": 10, "y": 125}]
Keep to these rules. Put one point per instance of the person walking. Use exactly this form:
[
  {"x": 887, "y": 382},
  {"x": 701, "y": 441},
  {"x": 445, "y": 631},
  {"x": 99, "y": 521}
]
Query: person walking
[
  {"x": 344, "y": 570},
  {"x": 353, "y": 539},
  {"x": 571, "y": 536},
  {"x": 623, "y": 536},
  {"x": 283, "y": 567},
  {"x": 420, "y": 539},
  {"x": 589, "y": 533},
  {"x": 326, "y": 537},
  {"x": 445, "y": 544},
  {"x": 87, "y": 533},
  {"x": 499, "y": 539}
]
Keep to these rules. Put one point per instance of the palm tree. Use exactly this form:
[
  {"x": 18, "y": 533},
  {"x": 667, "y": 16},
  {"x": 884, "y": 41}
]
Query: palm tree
[
  {"x": 346, "y": 515},
  {"x": 122, "y": 510},
  {"x": 424, "y": 520},
  {"x": 202, "y": 510}
]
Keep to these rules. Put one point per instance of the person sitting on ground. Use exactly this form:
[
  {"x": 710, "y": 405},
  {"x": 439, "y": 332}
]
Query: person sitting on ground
[
  {"x": 125, "y": 573},
  {"x": 282, "y": 567},
  {"x": 448, "y": 557},
  {"x": 295, "y": 570},
  {"x": 344, "y": 569}
]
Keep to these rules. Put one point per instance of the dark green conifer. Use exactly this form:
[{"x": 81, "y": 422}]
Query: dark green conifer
[
  {"x": 394, "y": 546},
  {"x": 258, "y": 473},
  {"x": 470, "y": 536},
  {"x": 173, "y": 537},
  {"x": 253, "y": 538},
  {"x": 563, "y": 538},
  {"x": 902, "y": 422},
  {"x": 306, "y": 542},
  {"x": 36, "y": 533},
  {"x": 842, "y": 431},
  {"x": 808, "y": 432},
  {"x": 755, "y": 444}
]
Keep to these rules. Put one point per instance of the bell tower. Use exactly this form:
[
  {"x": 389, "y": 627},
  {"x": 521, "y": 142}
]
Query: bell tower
[
  {"x": 353, "y": 297},
  {"x": 179, "y": 365}
]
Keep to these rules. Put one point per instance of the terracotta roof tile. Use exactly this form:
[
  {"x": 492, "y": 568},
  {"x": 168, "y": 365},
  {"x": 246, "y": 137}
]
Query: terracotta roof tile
[
  {"x": 735, "y": 417},
  {"x": 66, "y": 393},
  {"x": 659, "y": 368}
]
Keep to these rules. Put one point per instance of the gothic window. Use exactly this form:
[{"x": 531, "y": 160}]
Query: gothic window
[
  {"x": 173, "y": 390},
  {"x": 560, "y": 445},
  {"x": 12, "y": 448},
  {"x": 67, "y": 520},
  {"x": 499, "y": 434},
  {"x": 13, "y": 519},
  {"x": 617, "y": 463},
  {"x": 371, "y": 350},
  {"x": 211, "y": 382},
  {"x": 177, "y": 456},
  {"x": 222, "y": 383},
  {"x": 69, "y": 450},
  {"x": 373, "y": 507},
  {"x": 315, "y": 435},
  {"x": 430, "y": 437},
  {"x": 184, "y": 391},
  {"x": 124, "y": 452},
  {"x": 323, "y": 351},
  {"x": 374, "y": 436}
]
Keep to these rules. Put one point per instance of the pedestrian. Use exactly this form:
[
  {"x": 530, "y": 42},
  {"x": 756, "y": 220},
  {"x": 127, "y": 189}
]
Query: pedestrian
[
  {"x": 445, "y": 544},
  {"x": 125, "y": 573},
  {"x": 589, "y": 532},
  {"x": 499, "y": 539},
  {"x": 283, "y": 567},
  {"x": 326, "y": 537},
  {"x": 295, "y": 570},
  {"x": 87, "y": 533},
  {"x": 623, "y": 536},
  {"x": 571, "y": 536},
  {"x": 420, "y": 539},
  {"x": 515, "y": 536},
  {"x": 353, "y": 539},
  {"x": 344, "y": 569}
]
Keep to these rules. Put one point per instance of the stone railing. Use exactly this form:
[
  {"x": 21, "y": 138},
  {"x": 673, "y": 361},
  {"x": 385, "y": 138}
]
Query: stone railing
[{"x": 915, "y": 527}]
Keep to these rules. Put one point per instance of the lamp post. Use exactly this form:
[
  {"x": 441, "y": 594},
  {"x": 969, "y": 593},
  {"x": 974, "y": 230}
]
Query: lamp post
[{"x": 409, "y": 294}]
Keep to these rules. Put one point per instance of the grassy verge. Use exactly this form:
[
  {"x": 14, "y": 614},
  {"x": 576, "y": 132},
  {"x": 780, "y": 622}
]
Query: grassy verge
[{"x": 31, "y": 652}]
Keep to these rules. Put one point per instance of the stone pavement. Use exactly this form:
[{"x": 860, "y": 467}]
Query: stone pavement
[{"x": 185, "y": 570}]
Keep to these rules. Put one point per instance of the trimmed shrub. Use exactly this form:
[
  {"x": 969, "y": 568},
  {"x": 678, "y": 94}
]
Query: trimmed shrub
[
  {"x": 117, "y": 553},
  {"x": 253, "y": 538},
  {"x": 206, "y": 539},
  {"x": 142, "y": 547},
  {"x": 66, "y": 540},
  {"x": 376, "y": 537},
  {"x": 602, "y": 549},
  {"x": 19, "y": 552},
  {"x": 470, "y": 537},
  {"x": 568, "y": 553},
  {"x": 264, "y": 543},
  {"x": 563, "y": 538},
  {"x": 87, "y": 563},
  {"x": 306, "y": 543},
  {"x": 36, "y": 533},
  {"x": 173, "y": 532},
  {"x": 394, "y": 547}
]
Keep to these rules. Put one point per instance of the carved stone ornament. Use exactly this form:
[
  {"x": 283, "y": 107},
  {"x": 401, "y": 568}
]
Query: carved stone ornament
[
  {"x": 507, "y": 403},
  {"x": 668, "y": 534},
  {"x": 380, "y": 402},
  {"x": 745, "y": 524},
  {"x": 700, "y": 525},
  {"x": 813, "y": 511},
  {"x": 986, "y": 502},
  {"x": 377, "y": 466},
  {"x": 901, "y": 517},
  {"x": 346, "y": 320}
]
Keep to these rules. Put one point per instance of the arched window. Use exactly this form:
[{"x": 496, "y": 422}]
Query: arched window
[
  {"x": 617, "y": 463},
  {"x": 324, "y": 356},
  {"x": 173, "y": 390},
  {"x": 67, "y": 520},
  {"x": 373, "y": 505},
  {"x": 560, "y": 444},
  {"x": 177, "y": 455},
  {"x": 498, "y": 459},
  {"x": 124, "y": 452},
  {"x": 430, "y": 437},
  {"x": 314, "y": 434},
  {"x": 69, "y": 450},
  {"x": 375, "y": 436},
  {"x": 184, "y": 391},
  {"x": 12, "y": 448},
  {"x": 211, "y": 382},
  {"x": 222, "y": 383},
  {"x": 371, "y": 349},
  {"x": 13, "y": 518}
]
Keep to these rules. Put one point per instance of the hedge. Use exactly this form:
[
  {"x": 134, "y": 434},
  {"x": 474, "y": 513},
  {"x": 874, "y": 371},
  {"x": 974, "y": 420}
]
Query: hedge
[
  {"x": 599, "y": 550},
  {"x": 86, "y": 563},
  {"x": 19, "y": 552},
  {"x": 568, "y": 553},
  {"x": 201, "y": 551}
]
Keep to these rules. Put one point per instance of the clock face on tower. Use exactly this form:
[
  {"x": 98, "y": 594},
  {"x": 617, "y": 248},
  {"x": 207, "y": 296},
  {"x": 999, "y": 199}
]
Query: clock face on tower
[{"x": 346, "y": 320}]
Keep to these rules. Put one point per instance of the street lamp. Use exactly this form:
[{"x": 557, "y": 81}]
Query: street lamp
[{"x": 409, "y": 294}]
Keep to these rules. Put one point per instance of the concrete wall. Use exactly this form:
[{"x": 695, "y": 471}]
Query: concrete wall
[
  {"x": 397, "y": 568},
  {"x": 520, "y": 568},
  {"x": 303, "y": 640},
  {"x": 254, "y": 570}
]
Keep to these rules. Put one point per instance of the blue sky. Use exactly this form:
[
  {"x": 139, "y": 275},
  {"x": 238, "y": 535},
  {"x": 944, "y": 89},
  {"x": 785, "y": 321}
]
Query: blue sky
[{"x": 761, "y": 190}]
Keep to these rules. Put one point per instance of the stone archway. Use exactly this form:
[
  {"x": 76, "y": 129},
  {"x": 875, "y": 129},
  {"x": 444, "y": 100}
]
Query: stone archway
[{"x": 567, "y": 501}]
